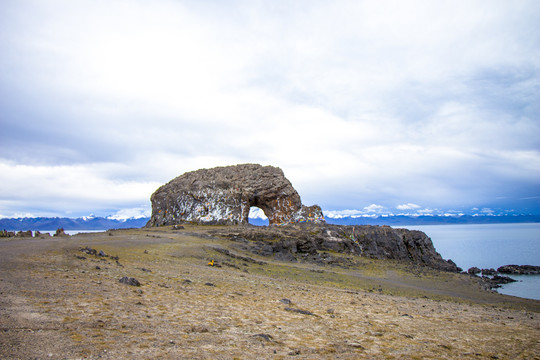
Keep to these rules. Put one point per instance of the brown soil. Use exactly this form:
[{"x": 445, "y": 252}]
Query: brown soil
[{"x": 54, "y": 305}]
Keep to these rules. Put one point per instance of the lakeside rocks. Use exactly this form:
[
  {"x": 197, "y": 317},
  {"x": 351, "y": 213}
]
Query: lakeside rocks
[
  {"x": 296, "y": 242},
  {"x": 224, "y": 195},
  {"x": 519, "y": 269},
  {"x": 506, "y": 269},
  {"x": 496, "y": 280}
]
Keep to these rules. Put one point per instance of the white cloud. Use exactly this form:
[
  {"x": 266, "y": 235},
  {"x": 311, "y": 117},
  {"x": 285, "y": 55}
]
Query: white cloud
[
  {"x": 359, "y": 102},
  {"x": 133, "y": 213},
  {"x": 256, "y": 213},
  {"x": 63, "y": 189},
  {"x": 338, "y": 214},
  {"x": 408, "y": 206},
  {"x": 373, "y": 208}
]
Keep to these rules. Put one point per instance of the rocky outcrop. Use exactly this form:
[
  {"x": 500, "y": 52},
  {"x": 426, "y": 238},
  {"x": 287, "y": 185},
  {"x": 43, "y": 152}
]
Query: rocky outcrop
[
  {"x": 224, "y": 195},
  {"x": 519, "y": 269},
  {"x": 317, "y": 242}
]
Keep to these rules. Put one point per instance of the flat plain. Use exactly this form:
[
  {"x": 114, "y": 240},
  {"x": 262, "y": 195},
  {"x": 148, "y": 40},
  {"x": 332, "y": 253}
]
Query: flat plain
[{"x": 58, "y": 302}]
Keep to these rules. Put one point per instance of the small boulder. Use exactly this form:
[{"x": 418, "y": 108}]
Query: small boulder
[
  {"x": 89, "y": 251},
  {"x": 130, "y": 281},
  {"x": 299, "y": 311},
  {"x": 474, "y": 270}
]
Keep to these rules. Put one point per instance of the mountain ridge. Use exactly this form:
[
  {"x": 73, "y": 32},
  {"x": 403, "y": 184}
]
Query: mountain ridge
[{"x": 104, "y": 223}]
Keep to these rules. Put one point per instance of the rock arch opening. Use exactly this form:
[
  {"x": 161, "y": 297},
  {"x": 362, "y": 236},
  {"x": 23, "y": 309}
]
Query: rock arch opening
[{"x": 257, "y": 216}]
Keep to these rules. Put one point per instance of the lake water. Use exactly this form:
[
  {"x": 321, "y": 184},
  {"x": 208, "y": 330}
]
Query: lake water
[{"x": 491, "y": 246}]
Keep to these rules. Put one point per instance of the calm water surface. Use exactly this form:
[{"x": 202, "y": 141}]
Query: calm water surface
[{"x": 491, "y": 246}]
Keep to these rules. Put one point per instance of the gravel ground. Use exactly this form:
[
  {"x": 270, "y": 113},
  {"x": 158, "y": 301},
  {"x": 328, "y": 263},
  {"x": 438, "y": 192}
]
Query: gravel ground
[{"x": 57, "y": 302}]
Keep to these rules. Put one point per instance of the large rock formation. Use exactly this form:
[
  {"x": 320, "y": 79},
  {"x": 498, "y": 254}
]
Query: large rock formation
[
  {"x": 306, "y": 242},
  {"x": 224, "y": 195}
]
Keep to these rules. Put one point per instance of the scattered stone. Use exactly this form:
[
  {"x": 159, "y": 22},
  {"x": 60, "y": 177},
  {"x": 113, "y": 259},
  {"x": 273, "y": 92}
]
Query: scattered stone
[
  {"x": 330, "y": 311},
  {"x": 473, "y": 270},
  {"x": 89, "y": 251},
  {"x": 146, "y": 270},
  {"x": 146, "y": 251},
  {"x": 130, "y": 281},
  {"x": 98, "y": 268},
  {"x": 266, "y": 337},
  {"x": 209, "y": 284},
  {"x": 80, "y": 257},
  {"x": 286, "y": 301},
  {"x": 178, "y": 227},
  {"x": 187, "y": 281},
  {"x": 101, "y": 253},
  {"x": 118, "y": 263},
  {"x": 299, "y": 311},
  {"x": 114, "y": 258}
]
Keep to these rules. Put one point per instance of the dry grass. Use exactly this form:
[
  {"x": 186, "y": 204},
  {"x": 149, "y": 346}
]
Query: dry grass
[{"x": 54, "y": 305}]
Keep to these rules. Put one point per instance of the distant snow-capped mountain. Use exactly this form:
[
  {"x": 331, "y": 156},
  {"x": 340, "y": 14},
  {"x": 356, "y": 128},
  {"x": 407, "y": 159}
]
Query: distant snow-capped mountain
[
  {"x": 82, "y": 223},
  {"x": 102, "y": 223}
]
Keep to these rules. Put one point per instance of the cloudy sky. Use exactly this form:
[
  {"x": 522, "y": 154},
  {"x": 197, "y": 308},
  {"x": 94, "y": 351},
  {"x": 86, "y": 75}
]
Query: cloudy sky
[{"x": 369, "y": 107}]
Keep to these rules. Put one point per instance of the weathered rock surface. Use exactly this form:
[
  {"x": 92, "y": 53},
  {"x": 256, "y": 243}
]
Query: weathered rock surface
[
  {"x": 306, "y": 242},
  {"x": 224, "y": 195}
]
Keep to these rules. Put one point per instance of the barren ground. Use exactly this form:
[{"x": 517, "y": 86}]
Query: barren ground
[{"x": 54, "y": 305}]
